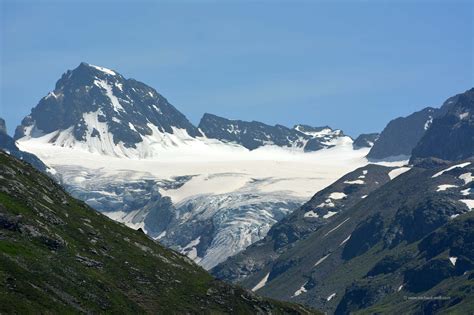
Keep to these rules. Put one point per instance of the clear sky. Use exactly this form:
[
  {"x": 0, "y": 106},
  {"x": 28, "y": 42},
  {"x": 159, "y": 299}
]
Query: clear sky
[{"x": 353, "y": 65}]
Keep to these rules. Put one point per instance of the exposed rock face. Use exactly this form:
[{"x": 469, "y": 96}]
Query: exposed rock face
[
  {"x": 254, "y": 134},
  {"x": 249, "y": 134},
  {"x": 402, "y": 134},
  {"x": 8, "y": 145},
  {"x": 365, "y": 140},
  {"x": 451, "y": 136},
  {"x": 3, "y": 127}
]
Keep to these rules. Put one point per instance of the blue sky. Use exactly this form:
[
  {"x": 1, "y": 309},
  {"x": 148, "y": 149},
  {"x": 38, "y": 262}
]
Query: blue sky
[{"x": 353, "y": 65}]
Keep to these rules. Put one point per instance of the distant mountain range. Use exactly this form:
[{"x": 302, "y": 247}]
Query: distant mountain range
[
  {"x": 253, "y": 135},
  {"x": 99, "y": 109}
]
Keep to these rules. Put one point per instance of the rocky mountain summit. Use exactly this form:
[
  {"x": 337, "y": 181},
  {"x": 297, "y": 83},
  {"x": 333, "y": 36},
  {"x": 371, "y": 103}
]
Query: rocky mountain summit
[
  {"x": 445, "y": 132},
  {"x": 3, "y": 127},
  {"x": 8, "y": 145},
  {"x": 402, "y": 134},
  {"x": 365, "y": 140},
  {"x": 104, "y": 110},
  {"x": 254, "y": 134},
  {"x": 451, "y": 136}
]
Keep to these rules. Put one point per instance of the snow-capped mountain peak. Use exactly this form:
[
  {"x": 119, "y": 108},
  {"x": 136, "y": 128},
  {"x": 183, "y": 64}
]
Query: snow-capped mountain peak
[{"x": 98, "y": 109}]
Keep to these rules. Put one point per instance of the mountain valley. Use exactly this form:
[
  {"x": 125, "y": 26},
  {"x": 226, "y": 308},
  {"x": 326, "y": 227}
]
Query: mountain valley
[{"x": 302, "y": 215}]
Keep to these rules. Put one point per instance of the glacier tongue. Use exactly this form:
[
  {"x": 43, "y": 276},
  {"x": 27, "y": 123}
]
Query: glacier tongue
[
  {"x": 223, "y": 194},
  {"x": 227, "y": 223}
]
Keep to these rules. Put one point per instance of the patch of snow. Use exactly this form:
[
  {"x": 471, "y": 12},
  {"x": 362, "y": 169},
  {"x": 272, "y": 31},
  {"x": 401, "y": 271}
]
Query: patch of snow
[
  {"x": 190, "y": 249},
  {"x": 162, "y": 234},
  {"x": 397, "y": 172},
  {"x": 354, "y": 182},
  {"x": 462, "y": 165},
  {"x": 400, "y": 288},
  {"x": 300, "y": 290},
  {"x": 157, "y": 109},
  {"x": 329, "y": 298},
  {"x": 337, "y": 195},
  {"x": 345, "y": 240},
  {"x": 329, "y": 214},
  {"x": 110, "y": 94},
  {"x": 326, "y": 204},
  {"x": 105, "y": 70},
  {"x": 444, "y": 187},
  {"x": 454, "y": 216},
  {"x": 321, "y": 260},
  {"x": 364, "y": 196},
  {"x": 311, "y": 214},
  {"x": 463, "y": 115},
  {"x": 392, "y": 161},
  {"x": 466, "y": 192},
  {"x": 428, "y": 123},
  {"x": 261, "y": 284},
  {"x": 50, "y": 94},
  {"x": 468, "y": 202},
  {"x": 453, "y": 260},
  {"x": 466, "y": 177},
  {"x": 340, "y": 224},
  {"x": 192, "y": 254},
  {"x": 50, "y": 170}
]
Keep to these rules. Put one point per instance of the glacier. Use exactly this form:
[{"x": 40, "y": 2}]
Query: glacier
[{"x": 187, "y": 188}]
